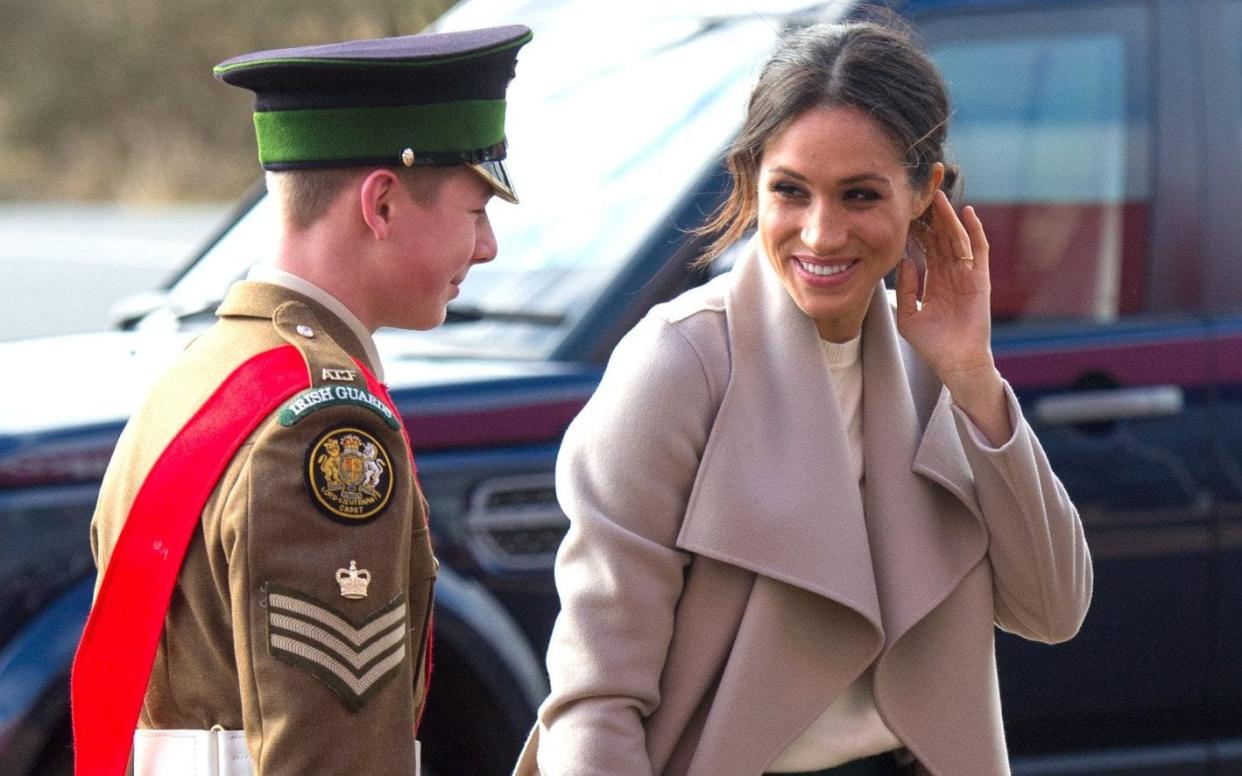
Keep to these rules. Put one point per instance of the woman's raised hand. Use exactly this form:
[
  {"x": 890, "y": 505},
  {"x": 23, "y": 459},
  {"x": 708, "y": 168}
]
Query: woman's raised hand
[{"x": 951, "y": 326}]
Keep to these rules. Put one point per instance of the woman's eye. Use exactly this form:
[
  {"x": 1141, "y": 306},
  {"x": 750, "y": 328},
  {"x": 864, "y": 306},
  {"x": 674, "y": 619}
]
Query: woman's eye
[
  {"x": 861, "y": 195},
  {"x": 786, "y": 189}
]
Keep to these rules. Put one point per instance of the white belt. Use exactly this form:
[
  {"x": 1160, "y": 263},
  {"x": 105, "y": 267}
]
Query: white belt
[{"x": 214, "y": 752}]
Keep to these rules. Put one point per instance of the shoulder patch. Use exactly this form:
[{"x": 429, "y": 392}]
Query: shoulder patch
[
  {"x": 354, "y": 658},
  {"x": 349, "y": 475},
  {"x": 314, "y": 399}
]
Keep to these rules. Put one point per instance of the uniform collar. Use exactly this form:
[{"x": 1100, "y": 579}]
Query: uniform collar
[{"x": 265, "y": 273}]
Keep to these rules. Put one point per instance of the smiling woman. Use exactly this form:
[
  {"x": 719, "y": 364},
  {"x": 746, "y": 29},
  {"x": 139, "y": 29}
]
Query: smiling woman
[{"x": 796, "y": 514}]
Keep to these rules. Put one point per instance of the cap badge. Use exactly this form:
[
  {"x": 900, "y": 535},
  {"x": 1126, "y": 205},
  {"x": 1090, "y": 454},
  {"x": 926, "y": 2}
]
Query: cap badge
[
  {"x": 353, "y": 581},
  {"x": 407, "y": 157}
]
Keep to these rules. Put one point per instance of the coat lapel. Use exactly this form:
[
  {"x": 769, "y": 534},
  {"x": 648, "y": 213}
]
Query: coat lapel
[
  {"x": 773, "y": 496},
  {"x": 922, "y": 544},
  {"x": 773, "y": 493}
]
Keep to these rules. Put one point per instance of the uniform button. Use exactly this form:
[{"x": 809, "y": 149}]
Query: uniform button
[{"x": 305, "y": 331}]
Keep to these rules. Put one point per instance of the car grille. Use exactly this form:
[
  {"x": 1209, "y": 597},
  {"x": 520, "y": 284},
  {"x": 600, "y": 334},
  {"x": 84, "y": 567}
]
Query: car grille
[{"x": 514, "y": 522}]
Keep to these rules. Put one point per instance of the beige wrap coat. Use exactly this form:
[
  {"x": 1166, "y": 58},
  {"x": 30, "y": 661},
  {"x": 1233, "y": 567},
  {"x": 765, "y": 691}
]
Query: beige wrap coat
[{"x": 722, "y": 579}]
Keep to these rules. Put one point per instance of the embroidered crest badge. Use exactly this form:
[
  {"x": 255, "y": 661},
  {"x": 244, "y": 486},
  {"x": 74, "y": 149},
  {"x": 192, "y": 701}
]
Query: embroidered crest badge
[{"x": 349, "y": 475}]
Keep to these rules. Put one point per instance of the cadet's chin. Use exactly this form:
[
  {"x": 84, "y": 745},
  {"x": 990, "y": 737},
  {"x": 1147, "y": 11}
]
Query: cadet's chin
[{"x": 428, "y": 322}]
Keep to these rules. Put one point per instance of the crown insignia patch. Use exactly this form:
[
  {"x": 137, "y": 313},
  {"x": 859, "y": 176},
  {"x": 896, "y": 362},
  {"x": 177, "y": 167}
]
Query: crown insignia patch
[
  {"x": 349, "y": 475},
  {"x": 353, "y": 581}
]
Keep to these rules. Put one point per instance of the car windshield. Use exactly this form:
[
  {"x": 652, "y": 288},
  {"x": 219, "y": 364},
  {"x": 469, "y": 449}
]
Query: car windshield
[{"x": 609, "y": 121}]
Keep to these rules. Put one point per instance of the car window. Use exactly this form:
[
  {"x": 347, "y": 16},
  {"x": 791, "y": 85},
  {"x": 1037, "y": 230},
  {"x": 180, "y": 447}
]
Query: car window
[
  {"x": 1233, "y": 25},
  {"x": 250, "y": 240},
  {"x": 606, "y": 134},
  {"x": 1051, "y": 128},
  {"x": 599, "y": 155}
]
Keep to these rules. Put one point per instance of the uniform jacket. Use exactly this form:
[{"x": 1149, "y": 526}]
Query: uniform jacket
[
  {"x": 722, "y": 580},
  {"x": 258, "y": 634}
]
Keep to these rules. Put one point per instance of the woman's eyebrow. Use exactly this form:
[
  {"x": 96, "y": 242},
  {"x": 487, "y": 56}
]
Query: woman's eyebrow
[
  {"x": 786, "y": 171},
  {"x": 866, "y": 177},
  {"x": 850, "y": 181}
]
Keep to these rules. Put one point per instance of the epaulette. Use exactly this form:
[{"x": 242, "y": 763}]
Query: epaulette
[
  {"x": 326, "y": 360},
  {"x": 335, "y": 377}
]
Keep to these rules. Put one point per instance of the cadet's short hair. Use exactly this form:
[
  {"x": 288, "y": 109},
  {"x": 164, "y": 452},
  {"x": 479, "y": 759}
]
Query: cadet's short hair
[{"x": 306, "y": 195}]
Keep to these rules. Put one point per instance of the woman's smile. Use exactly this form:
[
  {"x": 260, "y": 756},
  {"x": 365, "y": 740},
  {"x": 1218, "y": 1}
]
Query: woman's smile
[{"x": 825, "y": 274}]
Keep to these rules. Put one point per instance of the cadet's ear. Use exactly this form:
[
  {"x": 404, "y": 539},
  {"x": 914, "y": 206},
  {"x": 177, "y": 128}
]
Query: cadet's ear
[{"x": 376, "y": 200}]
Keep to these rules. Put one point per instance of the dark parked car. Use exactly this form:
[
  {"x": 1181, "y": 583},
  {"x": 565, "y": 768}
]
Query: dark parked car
[{"x": 1102, "y": 144}]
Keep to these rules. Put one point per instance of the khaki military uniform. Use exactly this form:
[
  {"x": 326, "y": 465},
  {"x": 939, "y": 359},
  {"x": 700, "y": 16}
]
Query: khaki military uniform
[{"x": 301, "y": 611}]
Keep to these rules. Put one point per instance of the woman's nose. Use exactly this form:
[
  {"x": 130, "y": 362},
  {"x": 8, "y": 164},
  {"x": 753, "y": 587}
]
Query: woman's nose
[{"x": 823, "y": 230}]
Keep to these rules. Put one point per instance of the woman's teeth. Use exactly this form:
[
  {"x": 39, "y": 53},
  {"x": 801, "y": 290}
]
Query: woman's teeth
[{"x": 823, "y": 269}]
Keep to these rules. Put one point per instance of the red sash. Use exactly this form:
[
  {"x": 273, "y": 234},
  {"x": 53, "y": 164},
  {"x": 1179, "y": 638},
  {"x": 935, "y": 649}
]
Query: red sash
[{"x": 114, "y": 659}]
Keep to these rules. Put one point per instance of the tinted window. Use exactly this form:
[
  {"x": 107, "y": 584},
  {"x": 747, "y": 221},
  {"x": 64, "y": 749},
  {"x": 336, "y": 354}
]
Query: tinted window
[
  {"x": 1233, "y": 23},
  {"x": 606, "y": 135},
  {"x": 1050, "y": 126}
]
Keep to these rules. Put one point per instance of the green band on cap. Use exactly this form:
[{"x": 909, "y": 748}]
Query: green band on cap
[{"x": 342, "y": 134}]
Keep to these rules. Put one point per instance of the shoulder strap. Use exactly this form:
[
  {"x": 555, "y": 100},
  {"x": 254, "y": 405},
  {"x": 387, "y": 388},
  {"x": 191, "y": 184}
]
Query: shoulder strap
[
  {"x": 326, "y": 360},
  {"x": 117, "y": 651}
]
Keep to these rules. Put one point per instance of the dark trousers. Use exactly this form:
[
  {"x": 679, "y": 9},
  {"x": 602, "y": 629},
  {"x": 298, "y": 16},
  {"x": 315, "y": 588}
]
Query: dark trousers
[{"x": 885, "y": 764}]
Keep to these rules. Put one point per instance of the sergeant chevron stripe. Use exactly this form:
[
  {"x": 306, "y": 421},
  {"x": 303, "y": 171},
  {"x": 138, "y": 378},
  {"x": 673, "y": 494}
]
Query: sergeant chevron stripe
[{"x": 354, "y": 659}]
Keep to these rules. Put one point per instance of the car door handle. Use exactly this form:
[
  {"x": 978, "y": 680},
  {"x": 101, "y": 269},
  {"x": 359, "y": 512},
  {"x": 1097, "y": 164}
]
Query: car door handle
[{"x": 1149, "y": 401}]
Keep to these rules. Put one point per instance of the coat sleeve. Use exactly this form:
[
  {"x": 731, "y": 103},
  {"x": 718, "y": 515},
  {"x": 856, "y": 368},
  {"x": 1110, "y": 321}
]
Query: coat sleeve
[
  {"x": 328, "y": 671},
  {"x": 1040, "y": 562},
  {"x": 623, "y": 477}
]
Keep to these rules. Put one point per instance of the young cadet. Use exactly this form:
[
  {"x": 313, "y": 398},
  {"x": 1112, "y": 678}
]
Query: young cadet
[{"x": 265, "y": 589}]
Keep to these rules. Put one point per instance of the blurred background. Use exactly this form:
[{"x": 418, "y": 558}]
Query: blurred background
[{"x": 119, "y": 152}]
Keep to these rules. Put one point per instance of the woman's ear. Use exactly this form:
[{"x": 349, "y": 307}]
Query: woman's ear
[
  {"x": 376, "y": 195},
  {"x": 928, "y": 191}
]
